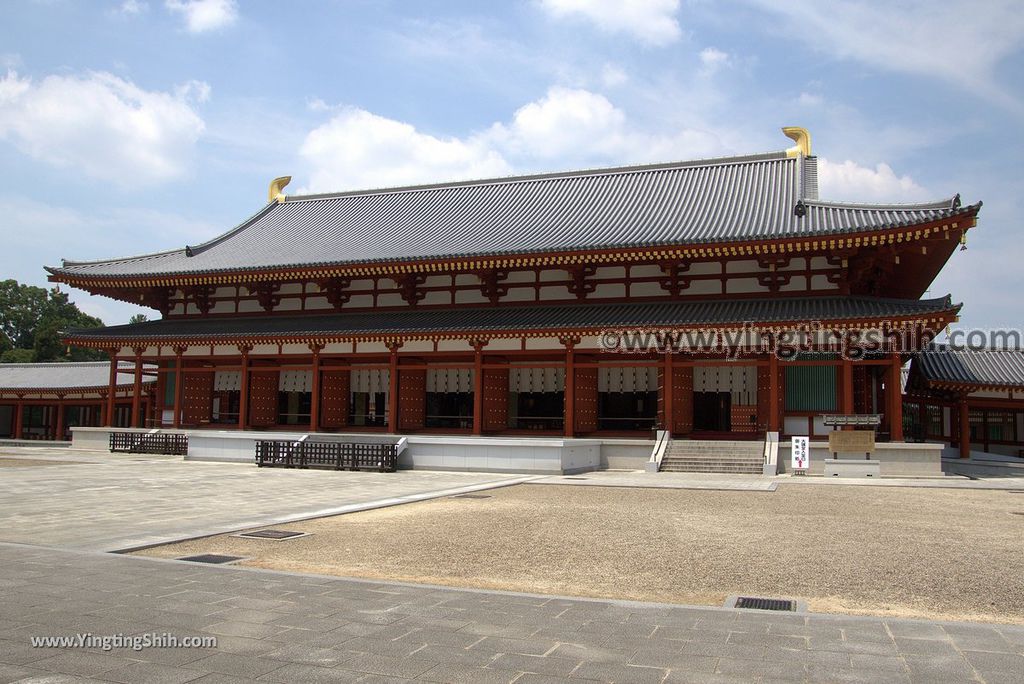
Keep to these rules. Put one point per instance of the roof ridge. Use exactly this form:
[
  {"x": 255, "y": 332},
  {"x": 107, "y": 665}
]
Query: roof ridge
[
  {"x": 945, "y": 203},
  {"x": 552, "y": 175}
]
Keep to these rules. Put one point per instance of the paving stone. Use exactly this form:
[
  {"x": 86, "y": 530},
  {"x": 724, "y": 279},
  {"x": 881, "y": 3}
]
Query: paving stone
[
  {"x": 240, "y": 666},
  {"x": 152, "y": 673},
  {"x": 375, "y": 663},
  {"x": 549, "y": 665},
  {"x": 79, "y": 662},
  {"x": 311, "y": 674},
  {"x": 986, "y": 662},
  {"x": 455, "y": 673},
  {"x": 932, "y": 647},
  {"x": 624, "y": 674},
  {"x": 593, "y": 654},
  {"x": 524, "y": 646}
]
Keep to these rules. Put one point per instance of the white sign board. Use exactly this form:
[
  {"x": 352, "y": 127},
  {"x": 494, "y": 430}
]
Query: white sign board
[{"x": 801, "y": 453}]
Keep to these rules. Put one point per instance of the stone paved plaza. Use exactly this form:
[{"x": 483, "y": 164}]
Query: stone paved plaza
[
  {"x": 280, "y": 627},
  {"x": 118, "y": 501},
  {"x": 285, "y": 627}
]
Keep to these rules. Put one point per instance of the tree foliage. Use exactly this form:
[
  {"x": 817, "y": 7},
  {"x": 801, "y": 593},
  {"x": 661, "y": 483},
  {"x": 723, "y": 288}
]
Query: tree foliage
[{"x": 32, "y": 320}]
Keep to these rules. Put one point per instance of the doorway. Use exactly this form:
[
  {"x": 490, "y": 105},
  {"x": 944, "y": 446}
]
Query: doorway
[{"x": 712, "y": 411}]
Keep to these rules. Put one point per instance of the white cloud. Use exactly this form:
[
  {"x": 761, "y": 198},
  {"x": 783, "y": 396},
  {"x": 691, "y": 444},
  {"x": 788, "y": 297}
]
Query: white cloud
[
  {"x": 962, "y": 41},
  {"x": 132, "y": 7},
  {"x": 564, "y": 128},
  {"x": 102, "y": 125},
  {"x": 612, "y": 75},
  {"x": 357, "y": 149},
  {"x": 810, "y": 100},
  {"x": 714, "y": 59},
  {"x": 652, "y": 21},
  {"x": 205, "y": 15},
  {"x": 850, "y": 181}
]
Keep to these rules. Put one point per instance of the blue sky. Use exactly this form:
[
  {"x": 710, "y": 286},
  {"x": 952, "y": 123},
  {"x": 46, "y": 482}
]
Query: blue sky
[{"x": 138, "y": 126}]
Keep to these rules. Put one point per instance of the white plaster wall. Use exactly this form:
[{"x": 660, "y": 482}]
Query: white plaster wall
[
  {"x": 555, "y": 292},
  {"x": 317, "y": 303},
  {"x": 820, "y": 282},
  {"x": 437, "y": 298},
  {"x": 470, "y": 297},
  {"x": 608, "y": 290},
  {"x": 520, "y": 294},
  {"x": 704, "y": 287},
  {"x": 646, "y": 290},
  {"x": 249, "y": 306},
  {"x": 743, "y": 285},
  {"x": 390, "y": 299},
  {"x": 646, "y": 271}
]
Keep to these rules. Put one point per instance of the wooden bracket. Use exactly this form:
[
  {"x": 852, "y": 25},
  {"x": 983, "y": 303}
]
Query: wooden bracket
[
  {"x": 674, "y": 281},
  {"x": 201, "y": 296},
  {"x": 266, "y": 294},
  {"x": 491, "y": 285},
  {"x": 581, "y": 283},
  {"x": 336, "y": 291},
  {"x": 409, "y": 286}
]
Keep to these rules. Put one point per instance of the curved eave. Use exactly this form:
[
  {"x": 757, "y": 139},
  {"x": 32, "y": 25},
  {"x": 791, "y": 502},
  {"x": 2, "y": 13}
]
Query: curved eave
[
  {"x": 936, "y": 319},
  {"x": 889, "y": 234}
]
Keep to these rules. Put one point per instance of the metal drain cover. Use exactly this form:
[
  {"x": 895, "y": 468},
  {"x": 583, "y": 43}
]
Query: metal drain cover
[
  {"x": 757, "y": 603},
  {"x": 574, "y": 478},
  {"x": 472, "y": 496},
  {"x": 214, "y": 558},
  {"x": 272, "y": 534}
]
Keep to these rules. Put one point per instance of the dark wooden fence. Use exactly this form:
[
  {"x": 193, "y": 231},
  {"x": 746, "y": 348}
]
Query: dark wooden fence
[
  {"x": 170, "y": 444},
  {"x": 337, "y": 455}
]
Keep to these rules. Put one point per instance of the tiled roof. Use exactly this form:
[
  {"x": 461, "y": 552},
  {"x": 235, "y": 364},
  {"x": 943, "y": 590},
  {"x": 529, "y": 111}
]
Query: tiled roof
[
  {"x": 594, "y": 317},
  {"x": 52, "y": 376},
  {"x": 684, "y": 203},
  {"x": 980, "y": 368}
]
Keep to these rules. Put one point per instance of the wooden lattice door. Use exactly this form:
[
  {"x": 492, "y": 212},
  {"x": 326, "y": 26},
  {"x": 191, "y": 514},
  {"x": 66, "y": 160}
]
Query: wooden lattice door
[
  {"x": 196, "y": 398},
  {"x": 495, "y": 399},
  {"x": 585, "y": 409},
  {"x": 263, "y": 387},
  {"x": 682, "y": 400},
  {"x": 334, "y": 403},
  {"x": 412, "y": 399}
]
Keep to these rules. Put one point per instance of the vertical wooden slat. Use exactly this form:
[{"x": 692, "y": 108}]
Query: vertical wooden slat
[
  {"x": 335, "y": 390},
  {"x": 413, "y": 408},
  {"x": 495, "y": 399},
  {"x": 585, "y": 404},
  {"x": 263, "y": 386},
  {"x": 682, "y": 392}
]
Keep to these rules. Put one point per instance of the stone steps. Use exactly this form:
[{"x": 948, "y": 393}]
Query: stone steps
[{"x": 690, "y": 456}]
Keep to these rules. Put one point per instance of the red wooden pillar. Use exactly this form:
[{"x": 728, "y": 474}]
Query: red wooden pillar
[
  {"x": 178, "y": 353},
  {"x": 669, "y": 381},
  {"x": 243, "y": 394},
  {"x": 773, "y": 392},
  {"x": 103, "y": 409},
  {"x": 478, "y": 386},
  {"x": 137, "y": 388},
  {"x": 895, "y": 396},
  {"x": 393, "y": 386},
  {"x": 111, "y": 390},
  {"x": 570, "y": 387},
  {"x": 965, "y": 428},
  {"x": 314, "y": 404},
  {"x": 58, "y": 430},
  {"x": 19, "y": 417}
]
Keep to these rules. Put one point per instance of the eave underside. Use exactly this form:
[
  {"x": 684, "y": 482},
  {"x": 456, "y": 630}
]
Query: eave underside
[{"x": 537, "y": 321}]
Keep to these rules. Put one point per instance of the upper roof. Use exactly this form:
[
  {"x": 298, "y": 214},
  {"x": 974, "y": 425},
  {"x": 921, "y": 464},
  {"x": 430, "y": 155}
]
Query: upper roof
[
  {"x": 64, "y": 376},
  {"x": 939, "y": 364},
  {"x": 521, "y": 320},
  {"x": 708, "y": 201}
]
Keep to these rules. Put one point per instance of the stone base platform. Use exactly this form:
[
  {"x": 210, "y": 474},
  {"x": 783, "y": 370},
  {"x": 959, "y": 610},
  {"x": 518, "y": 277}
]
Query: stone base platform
[{"x": 540, "y": 455}]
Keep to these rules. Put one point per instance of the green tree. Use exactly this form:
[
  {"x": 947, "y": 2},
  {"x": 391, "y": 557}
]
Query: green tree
[
  {"x": 32, "y": 320},
  {"x": 138, "y": 318}
]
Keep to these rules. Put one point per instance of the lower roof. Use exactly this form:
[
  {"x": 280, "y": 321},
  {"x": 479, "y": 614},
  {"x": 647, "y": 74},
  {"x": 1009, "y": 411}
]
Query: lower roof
[
  {"x": 510, "y": 321},
  {"x": 64, "y": 376},
  {"x": 942, "y": 365}
]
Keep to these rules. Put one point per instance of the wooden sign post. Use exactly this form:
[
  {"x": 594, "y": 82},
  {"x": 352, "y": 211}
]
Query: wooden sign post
[{"x": 846, "y": 441}]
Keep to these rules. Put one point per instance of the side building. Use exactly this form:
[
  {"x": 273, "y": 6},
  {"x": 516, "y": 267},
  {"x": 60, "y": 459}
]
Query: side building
[
  {"x": 45, "y": 400},
  {"x": 972, "y": 399},
  {"x": 539, "y": 305}
]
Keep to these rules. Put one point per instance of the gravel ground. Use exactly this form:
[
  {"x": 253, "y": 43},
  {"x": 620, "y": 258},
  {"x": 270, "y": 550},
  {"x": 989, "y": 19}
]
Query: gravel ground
[{"x": 939, "y": 554}]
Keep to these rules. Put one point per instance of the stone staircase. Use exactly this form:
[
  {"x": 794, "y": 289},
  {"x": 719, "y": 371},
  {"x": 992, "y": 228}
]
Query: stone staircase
[{"x": 713, "y": 456}]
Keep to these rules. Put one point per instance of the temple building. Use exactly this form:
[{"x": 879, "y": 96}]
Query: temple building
[
  {"x": 500, "y": 307},
  {"x": 972, "y": 399},
  {"x": 45, "y": 400}
]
